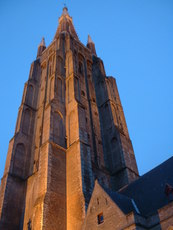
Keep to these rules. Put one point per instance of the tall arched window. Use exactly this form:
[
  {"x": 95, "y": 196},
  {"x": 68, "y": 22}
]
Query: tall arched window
[
  {"x": 26, "y": 121},
  {"x": 19, "y": 160},
  {"x": 115, "y": 157},
  {"x": 30, "y": 94},
  {"x": 60, "y": 66},
  {"x": 106, "y": 117},
  {"x": 80, "y": 69},
  {"x": 58, "y": 132},
  {"x": 59, "y": 88},
  {"x": 77, "y": 94}
]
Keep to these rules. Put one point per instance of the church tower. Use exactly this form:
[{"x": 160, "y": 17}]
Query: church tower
[{"x": 70, "y": 131}]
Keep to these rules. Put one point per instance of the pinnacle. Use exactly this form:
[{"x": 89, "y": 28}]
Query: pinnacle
[
  {"x": 89, "y": 39},
  {"x": 42, "y": 43}
]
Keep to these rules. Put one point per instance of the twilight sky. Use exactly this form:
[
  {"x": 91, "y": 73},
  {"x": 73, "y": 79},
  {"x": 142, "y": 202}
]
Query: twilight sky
[{"x": 133, "y": 38}]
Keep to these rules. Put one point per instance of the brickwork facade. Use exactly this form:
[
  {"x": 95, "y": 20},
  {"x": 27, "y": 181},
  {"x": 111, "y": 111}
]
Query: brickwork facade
[{"x": 70, "y": 131}]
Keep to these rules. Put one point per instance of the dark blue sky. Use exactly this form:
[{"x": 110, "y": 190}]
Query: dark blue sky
[{"x": 134, "y": 39}]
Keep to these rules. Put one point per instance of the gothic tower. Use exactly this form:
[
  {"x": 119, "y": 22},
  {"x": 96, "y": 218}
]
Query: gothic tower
[{"x": 70, "y": 131}]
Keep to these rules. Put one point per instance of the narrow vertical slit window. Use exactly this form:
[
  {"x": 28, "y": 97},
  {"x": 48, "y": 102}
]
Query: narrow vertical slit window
[{"x": 100, "y": 218}]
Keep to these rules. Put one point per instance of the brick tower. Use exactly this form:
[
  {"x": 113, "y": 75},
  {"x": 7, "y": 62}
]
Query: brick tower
[{"x": 70, "y": 131}]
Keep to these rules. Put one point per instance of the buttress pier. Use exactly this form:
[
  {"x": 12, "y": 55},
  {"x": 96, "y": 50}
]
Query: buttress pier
[{"x": 70, "y": 131}]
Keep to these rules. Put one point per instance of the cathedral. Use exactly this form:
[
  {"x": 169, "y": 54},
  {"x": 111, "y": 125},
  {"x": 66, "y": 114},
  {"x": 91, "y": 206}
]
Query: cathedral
[{"x": 70, "y": 164}]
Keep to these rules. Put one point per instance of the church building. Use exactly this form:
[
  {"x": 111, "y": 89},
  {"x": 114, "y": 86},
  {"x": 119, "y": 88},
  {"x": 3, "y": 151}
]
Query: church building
[{"x": 70, "y": 164}]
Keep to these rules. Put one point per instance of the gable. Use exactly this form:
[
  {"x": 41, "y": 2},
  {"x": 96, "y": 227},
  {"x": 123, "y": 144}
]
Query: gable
[{"x": 104, "y": 213}]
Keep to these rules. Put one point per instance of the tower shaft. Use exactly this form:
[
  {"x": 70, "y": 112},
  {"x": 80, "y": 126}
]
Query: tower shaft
[{"x": 70, "y": 131}]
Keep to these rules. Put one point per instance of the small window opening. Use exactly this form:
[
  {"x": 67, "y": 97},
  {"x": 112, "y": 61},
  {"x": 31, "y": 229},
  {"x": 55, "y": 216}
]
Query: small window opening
[
  {"x": 80, "y": 68},
  {"x": 97, "y": 200},
  {"x": 100, "y": 218},
  {"x": 29, "y": 224},
  {"x": 94, "y": 100},
  {"x": 83, "y": 93}
]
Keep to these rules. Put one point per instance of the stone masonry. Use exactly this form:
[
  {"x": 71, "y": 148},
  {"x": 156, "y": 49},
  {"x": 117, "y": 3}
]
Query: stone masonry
[{"x": 70, "y": 131}]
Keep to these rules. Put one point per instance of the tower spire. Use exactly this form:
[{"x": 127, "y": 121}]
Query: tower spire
[
  {"x": 65, "y": 10},
  {"x": 66, "y": 24}
]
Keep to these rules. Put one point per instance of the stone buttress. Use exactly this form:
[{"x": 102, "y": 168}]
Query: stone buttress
[{"x": 70, "y": 131}]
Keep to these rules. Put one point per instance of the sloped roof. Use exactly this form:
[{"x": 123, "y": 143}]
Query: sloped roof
[
  {"x": 148, "y": 191},
  {"x": 125, "y": 203}
]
